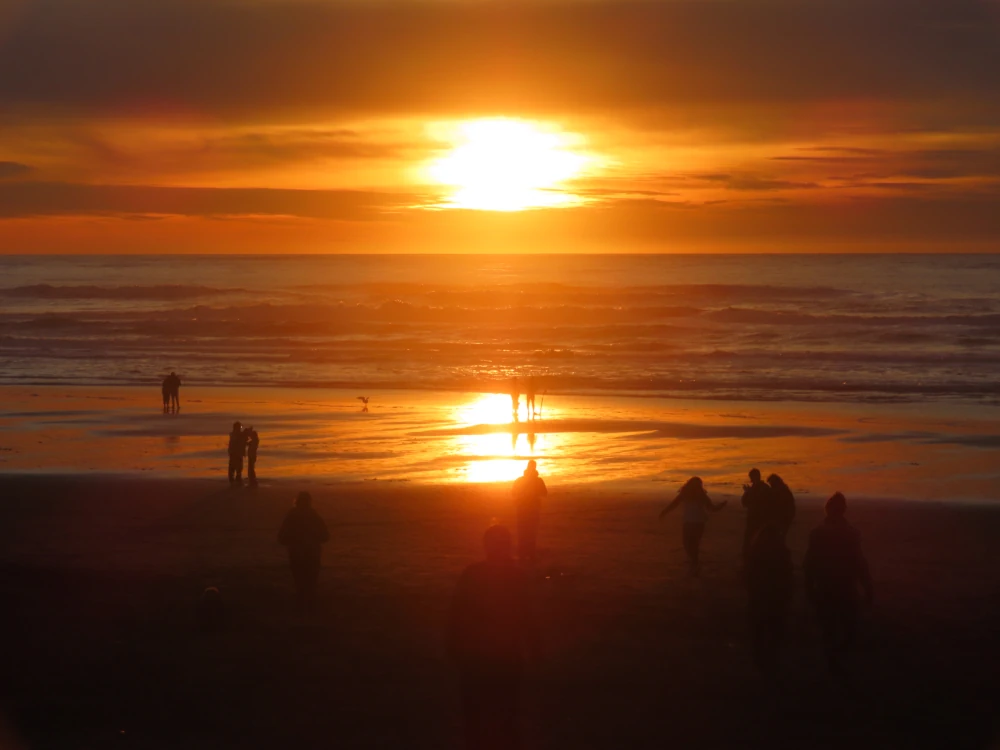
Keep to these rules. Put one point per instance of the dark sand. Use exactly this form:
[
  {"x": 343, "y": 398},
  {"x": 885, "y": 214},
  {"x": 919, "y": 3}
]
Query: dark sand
[{"x": 100, "y": 578}]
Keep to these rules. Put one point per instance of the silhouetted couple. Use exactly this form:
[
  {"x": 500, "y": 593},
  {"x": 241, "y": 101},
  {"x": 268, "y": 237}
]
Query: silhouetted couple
[
  {"x": 491, "y": 635},
  {"x": 171, "y": 389},
  {"x": 529, "y": 489},
  {"x": 304, "y": 533},
  {"x": 771, "y": 503},
  {"x": 243, "y": 444},
  {"x": 697, "y": 506}
]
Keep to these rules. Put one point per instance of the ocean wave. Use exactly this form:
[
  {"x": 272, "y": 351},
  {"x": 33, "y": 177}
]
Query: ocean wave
[{"x": 164, "y": 292}]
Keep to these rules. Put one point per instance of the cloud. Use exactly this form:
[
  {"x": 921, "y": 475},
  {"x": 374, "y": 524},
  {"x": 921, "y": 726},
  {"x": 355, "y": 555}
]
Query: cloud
[
  {"x": 209, "y": 57},
  {"x": 10, "y": 169},
  {"x": 56, "y": 198}
]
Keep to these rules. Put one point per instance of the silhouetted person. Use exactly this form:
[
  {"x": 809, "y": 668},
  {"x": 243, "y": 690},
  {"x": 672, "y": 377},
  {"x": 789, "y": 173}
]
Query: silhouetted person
[
  {"x": 237, "y": 449},
  {"x": 697, "y": 506},
  {"x": 175, "y": 390},
  {"x": 529, "y": 396},
  {"x": 758, "y": 500},
  {"x": 515, "y": 399},
  {"x": 491, "y": 634},
  {"x": 253, "y": 440},
  {"x": 304, "y": 533},
  {"x": 837, "y": 575},
  {"x": 165, "y": 388},
  {"x": 770, "y": 584},
  {"x": 529, "y": 489},
  {"x": 783, "y": 504}
]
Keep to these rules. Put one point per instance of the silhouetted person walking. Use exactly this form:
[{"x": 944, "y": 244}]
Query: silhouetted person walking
[
  {"x": 770, "y": 584},
  {"x": 253, "y": 441},
  {"x": 836, "y": 577},
  {"x": 697, "y": 506},
  {"x": 529, "y": 489},
  {"x": 529, "y": 396},
  {"x": 784, "y": 504},
  {"x": 175, "y": 390},
  {"x": 304, "y": 533},
  {"x": 759, "y": 503},
  {"x": 492, "y": 632},
  {"x": 237, "y": 449},
  {"x": 515, "y": 399},
  {"x": 165, "y": 389}
]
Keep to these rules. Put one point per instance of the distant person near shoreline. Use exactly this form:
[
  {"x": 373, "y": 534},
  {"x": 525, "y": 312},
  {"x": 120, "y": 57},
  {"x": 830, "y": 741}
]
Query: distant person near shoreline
[
  {"x": 697, "y": 506},
  {"x": 237, "y": 450},
  {"x": 529, "y": 489},
  {"x": 253, "y": 441}
]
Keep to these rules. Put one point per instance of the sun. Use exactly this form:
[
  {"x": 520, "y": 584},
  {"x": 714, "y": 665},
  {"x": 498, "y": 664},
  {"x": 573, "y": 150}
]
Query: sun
[{"x": 507, "y": 165}]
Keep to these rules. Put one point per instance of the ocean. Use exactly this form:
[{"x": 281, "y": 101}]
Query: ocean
[{"x": 821, "y": 328}]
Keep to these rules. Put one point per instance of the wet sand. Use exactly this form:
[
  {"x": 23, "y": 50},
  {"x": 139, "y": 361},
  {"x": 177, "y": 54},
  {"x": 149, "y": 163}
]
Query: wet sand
[{"x": 100, "y": 577}]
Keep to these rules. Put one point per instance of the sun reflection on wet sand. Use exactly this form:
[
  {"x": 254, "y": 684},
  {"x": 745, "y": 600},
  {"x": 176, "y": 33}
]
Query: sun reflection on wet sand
[{"x": 496, "y": 456}]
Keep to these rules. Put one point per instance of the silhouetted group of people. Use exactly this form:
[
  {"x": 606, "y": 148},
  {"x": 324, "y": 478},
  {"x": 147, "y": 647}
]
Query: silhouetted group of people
[
  {"x": 171, "y": 389},
  {"x": 530, "y": 394},
  {"x": 243, "y": 443},
  {"x": 837, "y": 579}
]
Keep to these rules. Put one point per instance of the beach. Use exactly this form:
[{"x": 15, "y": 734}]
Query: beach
[{"x": 104, "y": 574}]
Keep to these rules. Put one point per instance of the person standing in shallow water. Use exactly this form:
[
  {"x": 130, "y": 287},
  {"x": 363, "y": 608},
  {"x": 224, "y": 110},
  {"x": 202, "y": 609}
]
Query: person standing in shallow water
[
  {"x": 529, "y": 489},
  {"x": 759, "y": 503},
  {"x": 770, "y": 585},
  {"x": 237, "y": 449},
  {"x": 304, "y": 533},
  {"x": 491, "y": 634},
  {"x": 784, "y": 504},
  {"x": 697, "y": 506},
  {"x": 837, "y": 580},
  {"x": 165, "y": 389},
  {"x": 253, "y": 441}
]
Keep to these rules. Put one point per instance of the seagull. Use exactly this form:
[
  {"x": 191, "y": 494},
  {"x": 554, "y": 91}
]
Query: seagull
[{"x": 364, "y": 400}]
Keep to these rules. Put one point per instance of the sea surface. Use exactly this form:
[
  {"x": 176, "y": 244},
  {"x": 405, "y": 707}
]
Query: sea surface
[{"x": 845, "y": 328}]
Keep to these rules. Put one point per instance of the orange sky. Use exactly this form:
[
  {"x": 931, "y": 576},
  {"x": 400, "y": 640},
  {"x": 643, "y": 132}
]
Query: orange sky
[{"x": 314, "y": 125}]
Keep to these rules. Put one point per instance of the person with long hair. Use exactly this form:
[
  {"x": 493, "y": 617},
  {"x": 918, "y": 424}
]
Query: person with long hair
[{"x": 697, "y": 506}]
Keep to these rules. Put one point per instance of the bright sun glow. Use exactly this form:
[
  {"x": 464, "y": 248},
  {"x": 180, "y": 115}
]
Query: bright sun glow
[{"x": 507, "y": 165}]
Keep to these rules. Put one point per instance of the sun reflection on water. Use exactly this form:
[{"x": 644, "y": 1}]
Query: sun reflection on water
[{"x": 496, "y": 456}]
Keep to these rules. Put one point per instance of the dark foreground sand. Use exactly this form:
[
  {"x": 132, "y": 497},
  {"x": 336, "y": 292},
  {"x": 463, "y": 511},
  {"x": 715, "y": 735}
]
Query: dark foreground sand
[{"x": 99, "y": 580}]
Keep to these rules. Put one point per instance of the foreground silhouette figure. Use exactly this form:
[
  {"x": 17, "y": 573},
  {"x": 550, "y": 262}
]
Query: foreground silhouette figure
[
  {"x": 492, "y": 631},
  {"x": 237, "y": 449},
  {"x": 784, "y": 504},
  {"x": 304, "y": 533},
  {"x": 837, "y": 577},
  {"x": 529, "y": 489},
  {"x": 697, "y": 506},
  {"x": 253, "y": 441},
  {"x": 759, "y": 502},
  {"x": 770, "y": 585}
]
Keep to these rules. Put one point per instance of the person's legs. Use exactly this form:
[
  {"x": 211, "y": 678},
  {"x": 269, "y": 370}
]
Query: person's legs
[
  {"x": 472, "y": 712},
  {"x": 692, "y": 533},
  {"x": 232, "y": 469},
  {"x": 504, "y": 699},
  {"x": 251, "y": 473},
  {"x": 239, "y": 469}
]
